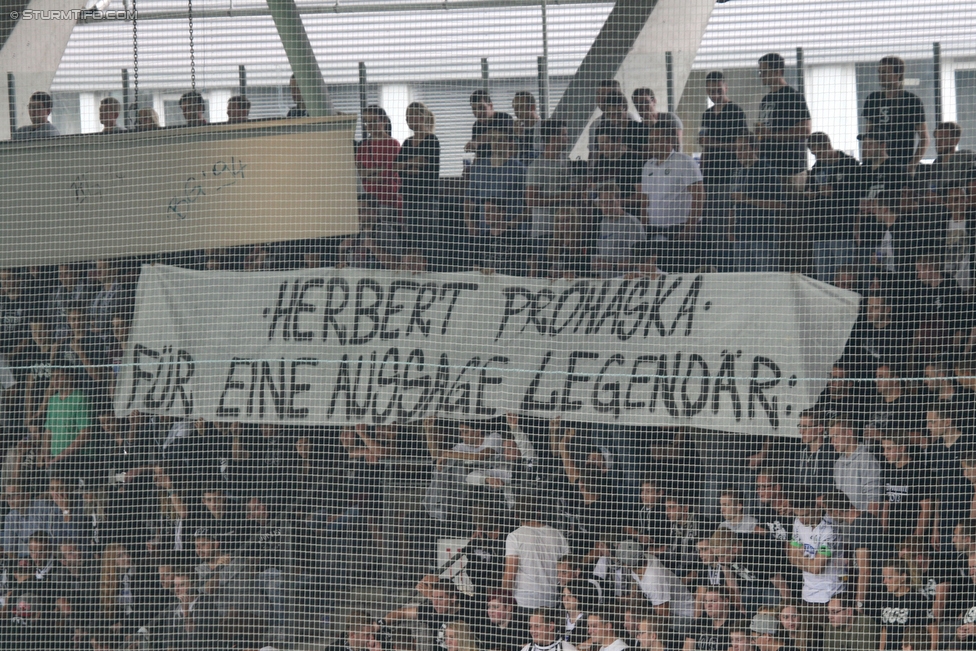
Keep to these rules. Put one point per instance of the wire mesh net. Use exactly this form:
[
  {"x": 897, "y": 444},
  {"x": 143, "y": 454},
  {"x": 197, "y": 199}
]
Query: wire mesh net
[{"x": 488, "y": 326}]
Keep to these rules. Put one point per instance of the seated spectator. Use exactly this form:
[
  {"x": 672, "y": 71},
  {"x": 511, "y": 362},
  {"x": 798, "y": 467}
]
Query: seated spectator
[
  {"x": 448, "y": 491},
  {"x": 740, "y": 638},
  {"x": 758, "y": 202},
  {"x": 532, "y": 552},
  {"x": 666, "y": 594},
  {"x": 673, "y": 200},
  {"x": 109, "y": 111},
  {"x": 789, "y": 618},
  {"x": 618, "y": 233},
  {"x": 444, "y": 604},
  {"x": 16, "y": 523},
  {"x": 238, "y": 109},
  {"x": 846, "y": 630},
  {"x": 192, "y": 622},
  {"x": 359, "y": 633},
  {"x": 458, "y": 636},
  {"x": 857, "y": 472},
  {"x": 605, "y": 626},
  {"x": 711, "y": 631},
  {"x": 544, "y": 631},
  {"x": 650, "y": 523},
  {"x": 685, "y": 529},
  {"x": 766, "y": 633},
  {"x": 221, "y": 576},
  {"x": 645, "y": 103},
  {"x": 528, "y": 144},
  {"x": 580, "y": 597},
  {"x": 39, "y": 109},
  {"x": 33, "y": 593},
  {"x": 193, "y": 108},
  {"x": 506, "y": 630}
]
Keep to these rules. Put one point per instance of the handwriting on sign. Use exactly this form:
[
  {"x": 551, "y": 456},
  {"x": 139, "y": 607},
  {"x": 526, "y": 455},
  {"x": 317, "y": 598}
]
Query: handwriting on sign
[
  {"x": 89, "y": 188},
  {"x": 222, "y": 174}
]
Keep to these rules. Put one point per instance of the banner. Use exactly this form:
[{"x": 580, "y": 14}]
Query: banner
[
  {"x": 735, "y": 352},
  {"x": 107, "y": 196}
]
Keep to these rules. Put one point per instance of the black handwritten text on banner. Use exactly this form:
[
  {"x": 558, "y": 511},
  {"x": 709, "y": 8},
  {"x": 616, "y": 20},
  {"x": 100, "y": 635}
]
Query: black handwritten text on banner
[{"x": 734, "y": 352}]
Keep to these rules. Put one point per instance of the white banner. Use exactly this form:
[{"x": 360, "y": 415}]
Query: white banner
[{"x": 735, "y": 352}]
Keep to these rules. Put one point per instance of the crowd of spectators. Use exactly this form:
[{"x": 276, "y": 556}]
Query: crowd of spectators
[{"x": 162, "y": 533}]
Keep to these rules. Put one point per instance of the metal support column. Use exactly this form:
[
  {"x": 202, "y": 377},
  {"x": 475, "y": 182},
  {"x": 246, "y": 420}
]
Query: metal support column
[
  {"x": 298, "y": 48},
  {"x": 937, "y": 70},
  {"x": 12, "y": 101},
  {"x": 543, "y": 88},
  {"x": 241, "y": 80}
]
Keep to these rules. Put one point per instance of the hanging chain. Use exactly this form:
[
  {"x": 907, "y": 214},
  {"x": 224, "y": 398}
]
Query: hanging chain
[
  {"x": 135, "y": 55},
  {"x": 193, "y": 64}
]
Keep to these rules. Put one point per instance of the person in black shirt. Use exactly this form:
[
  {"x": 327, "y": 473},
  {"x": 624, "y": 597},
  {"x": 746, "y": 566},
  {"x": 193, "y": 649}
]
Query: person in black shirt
[
  {"x": 444, "y": 605},
  {"x": 946, "y": 420},
  {"x": 419, "y": 166},
  {"x": 897, "y": 116},
  {"x": 814, "y": 468},
  {"x": 711, "y": 631},
  {"x": 298, "y": 110},
  {"x": 784, "y": 121},
  {"x": 901, "y": 606},
  {"x": 505, "y": 629},
  {"x": 832, "y": 192},
  {"x": 908, "y": 489},
  {"x": 861, "y": 532},
  {"x": 757, "y": 197},
  {"x": 360, "y": 634}
]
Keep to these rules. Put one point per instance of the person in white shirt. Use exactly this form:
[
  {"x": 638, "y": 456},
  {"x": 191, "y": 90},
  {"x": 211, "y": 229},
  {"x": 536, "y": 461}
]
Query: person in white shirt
[
  {"x": 605, "y": 627},
  {"x": 544, "y": 629},
  {"x": 665, "y": 591},
  {"x": 532, "y": 553},
  {"x": 818, "y": 552},
  {"x": 673, "y": 196}
]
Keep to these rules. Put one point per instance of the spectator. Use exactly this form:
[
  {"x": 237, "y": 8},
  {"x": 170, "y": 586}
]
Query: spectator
[
  {"x": 901, "y": 605},
  {"x": 711, "y": 631},
  {"x": 375, "y": 160},
  {"x": 221, "y": 575},
  {"x": 191, "y": 624},
  {"x": 580, "y": 597},
  {"x": 360, "y": 633},
  {"x": 766, "y": 633},
  {"x": 419, "y": 167},
  {"x": 606, "y": 628},
  {"x": 193, "y": 109},
  {"x": 650, "y": 524},
  {"x": 952, "y": 167},
  {"x": 848, "y": 631},
  {"x": 908, "y": 509},
  {"x": 298, "y": 110},
  {"x": 673, "y": 199},
  {"x": 458, "y": 636},
  {"x": 568, "y": 255},
  {"x": 528, "y": 144},
  {"x": 109, "y": 111},
  {"x": 544, "y": 632},
  {"x": 72, "y": 289},
  {"x": 16, "y": 523},
  {"x": 506, "y": 630},
  {"x": 685, "y": 529},
  {"x": 892, "y": 408},
  {"x": 897, "y": 116},
  {"x": 832, "y": 193},
  {"x": 645, "y": 103},
  {"x": 146, "y": 119},
  {"x": 740, "y": 638},
  {"x": 814, "y": 470},
  {"x": 866, "y": 546},
  {"x": 668, "y": 596},
  {"x": 619, "y": 232},
  {"x": 444, "y": 604},
  {"x": 945, "y": 424},
  {"x": 483, "y": 111},
  {"x": 784, "y": 123},
  {"x": 817, "y": 551},
  {"x": 548, "y": 185},
  {"x": 65, "y": 442},
  {"x": 39, "y": 109},
  {"x": 238, "y": 109},
  {"x": 37, "y": 586},
  {"x": 531, "y": 554},
  {"x": 604, "y": 90},
  {"x": 721, "y": 126},
  {"x": 857, "y": 472},
  {"x": 758, "y": 202}
]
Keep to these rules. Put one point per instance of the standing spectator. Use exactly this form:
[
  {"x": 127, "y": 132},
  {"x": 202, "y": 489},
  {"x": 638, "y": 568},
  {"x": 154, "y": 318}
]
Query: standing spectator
[
  {"x": 814, "y": 470},
  {"x": 192, "y": 622},
  {"x": 531, "y": 554},
  {"x": 618, "y": 233},
  {"x": 528, "y": 144},
  {"x": 545, "y": 633},
  {"x": 758, "y": 202},
  {"x": 817, "y": 551},
  {"x": 721, "y": 126},
  {"x": 419, "y": 166},
  {"x": 604, "y": 90},
  {"x": 784, "y": 123},
  {"x": 645, "y": 103},
  {"x": 897, "y": 116},
  {"x": 665, "y": 592},
  {"x": 483, "y": 111},
  {"x": 109, "y": 111},
  {"x": 146, "y": 119},
  {"x": 857, "y": 472},
  {"x": 952, "y": 166},
  {"x": 908, "y": 490},
  {"x": 39, "y": 109},
  {"x": 673, "y": 199},
  {"x": 606, "y": 628},
  {"x": 375, "y": 159},
  {"x": 298, "y": 110},
  {"x": 238, "y": 109},
  {"x": 862, "y": 534},
  {"x": 901, "y": 605},
  {"x": 548, "y": 186},
  {"x": 65, "y": 442},
  {"x": 72, "y": 289},
  {"x": 193, "y": 108},
  {"x": 832, "y": 193}
]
